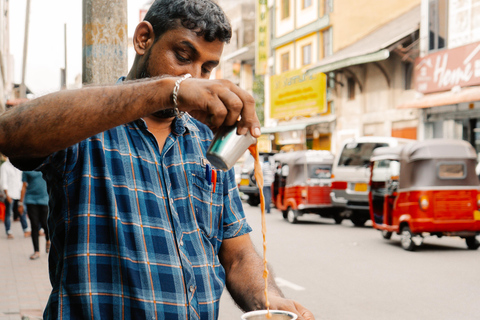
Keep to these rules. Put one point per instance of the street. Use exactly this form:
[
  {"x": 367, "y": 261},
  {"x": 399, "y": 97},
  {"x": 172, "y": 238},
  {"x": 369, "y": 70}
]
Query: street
[
  {"x": 337, "y": 271},
  {"x": 345, "y": 272}
]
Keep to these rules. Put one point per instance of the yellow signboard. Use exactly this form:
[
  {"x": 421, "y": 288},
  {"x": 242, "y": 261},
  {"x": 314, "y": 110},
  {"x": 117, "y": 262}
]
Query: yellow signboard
[
  {"x": 296, "y": 94},
  {"x": 262, "y": 35}
]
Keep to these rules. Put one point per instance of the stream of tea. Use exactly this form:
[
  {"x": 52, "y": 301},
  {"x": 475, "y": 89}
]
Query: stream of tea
[{"x": 259, "y": 179}]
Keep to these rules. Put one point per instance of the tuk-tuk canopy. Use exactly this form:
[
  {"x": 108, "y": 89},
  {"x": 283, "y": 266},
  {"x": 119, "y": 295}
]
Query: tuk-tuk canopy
[
  {"x": 428, "y": 149},
  {"x": 436, "y": 162},
  {"x": 304, "y": 165}
]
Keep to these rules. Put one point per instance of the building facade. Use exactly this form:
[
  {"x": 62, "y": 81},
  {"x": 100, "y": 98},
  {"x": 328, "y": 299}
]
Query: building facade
[
  {"x": 447, "y": 73},
  {"x": 366, "y": 49}
]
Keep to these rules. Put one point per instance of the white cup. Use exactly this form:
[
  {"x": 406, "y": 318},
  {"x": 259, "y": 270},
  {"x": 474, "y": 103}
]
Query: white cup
[{"x": 275, "y": 315}]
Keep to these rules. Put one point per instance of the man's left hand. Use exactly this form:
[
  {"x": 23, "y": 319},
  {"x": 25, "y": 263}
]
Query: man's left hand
[{"x": 279, "y": 303}]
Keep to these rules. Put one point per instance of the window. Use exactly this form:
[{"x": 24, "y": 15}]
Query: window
[
  {"x": 306, "y": 54},
  {"x": 451, "y": 170},
  {"x": 407, "y": 75},
  {"x": 437, "y": 24},
  {"x": 327, "y": 7},
  {"x": 358, "y": 154},
  {"x": 351, "y": 88},
  {"x": 327, "y": 42},
  {"x": 285, "y": 9},
  {"x": 306, "y": 4},
  {"x": 285, "y": 62}
]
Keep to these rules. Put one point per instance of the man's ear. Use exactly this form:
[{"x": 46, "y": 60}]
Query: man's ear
[{"x": 143, "y": 38}]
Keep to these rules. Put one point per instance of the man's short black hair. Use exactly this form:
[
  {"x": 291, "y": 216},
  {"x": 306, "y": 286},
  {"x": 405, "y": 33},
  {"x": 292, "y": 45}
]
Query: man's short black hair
[{"x": 204, "y": 17}]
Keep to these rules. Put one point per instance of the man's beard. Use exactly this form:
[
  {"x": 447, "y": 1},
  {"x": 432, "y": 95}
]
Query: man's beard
[{"x": 144, "y": 74}]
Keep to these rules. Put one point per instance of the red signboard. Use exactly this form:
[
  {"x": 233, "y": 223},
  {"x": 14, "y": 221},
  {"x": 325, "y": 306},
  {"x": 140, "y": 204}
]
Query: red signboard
[{"x": 446, "y": 69}]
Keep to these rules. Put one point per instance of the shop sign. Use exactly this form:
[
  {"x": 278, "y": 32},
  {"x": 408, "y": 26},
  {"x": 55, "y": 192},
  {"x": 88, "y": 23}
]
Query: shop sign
[
  {"x": 262, "y": 35},
  {"x": 296, "y": 94},
  {"x": 446, "y": 69}
]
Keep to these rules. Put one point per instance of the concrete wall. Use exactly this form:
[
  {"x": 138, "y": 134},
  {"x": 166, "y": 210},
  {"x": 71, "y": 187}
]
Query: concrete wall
[
  {"x": 373, "y": 111},
  {"x": 353, "y": 19}
]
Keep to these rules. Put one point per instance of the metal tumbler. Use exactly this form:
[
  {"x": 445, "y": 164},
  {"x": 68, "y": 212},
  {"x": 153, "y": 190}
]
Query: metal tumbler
[
  {"x": 275, "y": 315},
  {"x": 227, "y": 147}
]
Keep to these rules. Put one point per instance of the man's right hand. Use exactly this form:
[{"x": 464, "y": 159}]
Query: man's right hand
[{"x": 219, "y": 103}]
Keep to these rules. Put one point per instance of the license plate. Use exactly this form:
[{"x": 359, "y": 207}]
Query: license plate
[
  {"x": 244, "y": 182},
  {"x": 361, "y": 187},
  {"x": 476, "y": 215}
]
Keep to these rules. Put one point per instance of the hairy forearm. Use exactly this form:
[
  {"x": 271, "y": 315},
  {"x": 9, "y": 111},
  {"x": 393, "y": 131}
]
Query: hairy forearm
[
  {"x": 246, "y": 284},
  {"x": 59, "y": 120}
]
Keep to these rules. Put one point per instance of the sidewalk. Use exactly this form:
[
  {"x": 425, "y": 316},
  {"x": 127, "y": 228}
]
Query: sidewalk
[{"x": 24, "y": 284}]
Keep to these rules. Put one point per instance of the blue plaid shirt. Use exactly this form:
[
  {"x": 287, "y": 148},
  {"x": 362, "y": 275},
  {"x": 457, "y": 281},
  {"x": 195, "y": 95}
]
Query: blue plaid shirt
[{"x": 136, "y": 231}]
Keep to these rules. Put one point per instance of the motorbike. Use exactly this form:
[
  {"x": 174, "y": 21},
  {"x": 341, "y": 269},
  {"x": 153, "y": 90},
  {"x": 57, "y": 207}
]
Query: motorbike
[
  {"x": 425, "y": 188},
  {"x": 302, "y": 183}
]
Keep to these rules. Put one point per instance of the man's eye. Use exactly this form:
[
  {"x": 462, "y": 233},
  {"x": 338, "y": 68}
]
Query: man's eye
[{"x": 181, "y": 58}]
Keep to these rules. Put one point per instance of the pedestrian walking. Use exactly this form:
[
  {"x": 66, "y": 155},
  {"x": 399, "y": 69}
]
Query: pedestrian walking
[
  {"x": 138, "y": 230},
  {"x": 11, "y": 185},
  {"x": 35, "y": 197},
  {"x": 268, "y": 178}
]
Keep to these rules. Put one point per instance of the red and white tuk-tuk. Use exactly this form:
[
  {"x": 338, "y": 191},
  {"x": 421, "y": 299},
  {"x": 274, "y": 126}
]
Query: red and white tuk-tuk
[
  {"x": 425, "y": 188},
  {"x": 303, "y": 183}
]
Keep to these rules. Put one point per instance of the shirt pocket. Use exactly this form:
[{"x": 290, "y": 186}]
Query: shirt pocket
[{"x": 208, "y": 203}]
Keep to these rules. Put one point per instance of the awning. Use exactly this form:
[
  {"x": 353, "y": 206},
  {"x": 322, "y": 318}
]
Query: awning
[
  {"x": 374, "y": 47},
  {"x": 444, "y": 99},
  {"x": 298, "y": 125}
]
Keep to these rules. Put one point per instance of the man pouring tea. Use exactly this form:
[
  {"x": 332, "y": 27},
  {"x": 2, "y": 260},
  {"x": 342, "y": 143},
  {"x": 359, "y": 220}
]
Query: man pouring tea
[{"x": 136, "y": 232}]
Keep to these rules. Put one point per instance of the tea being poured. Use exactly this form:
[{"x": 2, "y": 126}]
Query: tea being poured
[{"x": 259, "y": 179}]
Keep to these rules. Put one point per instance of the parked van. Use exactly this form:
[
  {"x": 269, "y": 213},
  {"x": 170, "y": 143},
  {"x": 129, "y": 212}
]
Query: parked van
[{"x": 351, "y": 175}]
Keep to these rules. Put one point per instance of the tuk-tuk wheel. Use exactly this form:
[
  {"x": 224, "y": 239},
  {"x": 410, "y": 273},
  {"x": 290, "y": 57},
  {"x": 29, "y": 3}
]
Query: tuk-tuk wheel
[
  {"x": 338, "y": 218},
  {"x": 386, "y": 234},
  {"x": 472, "y": 243},
  {"x": 407, "y": 239},
  {"x": 285, "y": 214},
  {"x": 292, "y": 216}
]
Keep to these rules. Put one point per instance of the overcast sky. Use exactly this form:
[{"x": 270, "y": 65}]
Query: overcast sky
[{"x": 46, "y": 40}]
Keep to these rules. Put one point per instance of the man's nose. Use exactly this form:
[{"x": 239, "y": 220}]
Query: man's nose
[{"x": 196, "y": 72}]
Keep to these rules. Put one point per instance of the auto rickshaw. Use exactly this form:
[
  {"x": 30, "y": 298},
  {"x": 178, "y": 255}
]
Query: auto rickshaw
[
  {"x": 303, "y": 183},
  {"x": 425, "y": 188}
]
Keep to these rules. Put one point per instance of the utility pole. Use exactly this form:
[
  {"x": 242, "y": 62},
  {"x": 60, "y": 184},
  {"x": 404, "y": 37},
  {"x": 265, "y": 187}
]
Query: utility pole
[
  {"x": 63, "y": 71},
  {"x": 23, "y": 87},
  {"x": 104, "y": 41}
]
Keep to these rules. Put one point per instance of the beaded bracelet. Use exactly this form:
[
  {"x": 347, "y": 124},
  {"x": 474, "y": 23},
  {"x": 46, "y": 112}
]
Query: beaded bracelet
[{"x": 175, "y": 92}]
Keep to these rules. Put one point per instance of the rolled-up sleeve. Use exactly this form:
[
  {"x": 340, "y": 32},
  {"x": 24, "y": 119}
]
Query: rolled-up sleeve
[{"x": 234, "y": 221}]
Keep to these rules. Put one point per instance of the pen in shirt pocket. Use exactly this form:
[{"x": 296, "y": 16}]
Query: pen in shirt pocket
[
  {"x": 208, "y": 174},
  {"x": 214, "y": 178}
]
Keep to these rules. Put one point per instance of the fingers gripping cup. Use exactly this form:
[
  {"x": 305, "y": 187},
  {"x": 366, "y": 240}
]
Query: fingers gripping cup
[
  {"x": 227, "y": 147},
  {"x": 275, "y": 315}
]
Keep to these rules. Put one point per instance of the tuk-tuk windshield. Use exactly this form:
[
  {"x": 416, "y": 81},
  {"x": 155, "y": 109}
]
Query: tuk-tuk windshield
[
  {"x": 358, "y": 154},
  {"x": 319, "y": 171}
]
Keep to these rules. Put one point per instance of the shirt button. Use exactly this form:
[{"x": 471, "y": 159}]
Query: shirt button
[
  {"x": 181, "y": 242},
  {"x": 171, "y": 201},
  {"x": 192, "y": 288}
]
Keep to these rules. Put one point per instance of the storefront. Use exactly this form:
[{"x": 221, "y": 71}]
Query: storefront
[
  {"x": 449, "y": 83},
  {"x": 299, "y": 107}
]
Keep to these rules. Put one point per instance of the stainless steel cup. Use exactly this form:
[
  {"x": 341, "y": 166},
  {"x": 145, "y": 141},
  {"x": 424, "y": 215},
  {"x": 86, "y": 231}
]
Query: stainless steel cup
[
  {"x": 276, "y": 315},
  {"x": 227, "y": 147}
]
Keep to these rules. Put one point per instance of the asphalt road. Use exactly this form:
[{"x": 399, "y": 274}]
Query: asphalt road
[{"x": 346, "y": 272}]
